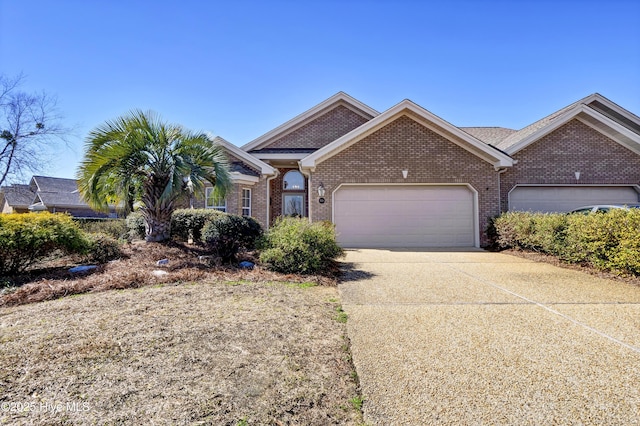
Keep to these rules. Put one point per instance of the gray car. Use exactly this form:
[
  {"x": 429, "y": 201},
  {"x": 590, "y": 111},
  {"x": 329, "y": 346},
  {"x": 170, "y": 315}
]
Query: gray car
[{"x": 603, "y": 208}]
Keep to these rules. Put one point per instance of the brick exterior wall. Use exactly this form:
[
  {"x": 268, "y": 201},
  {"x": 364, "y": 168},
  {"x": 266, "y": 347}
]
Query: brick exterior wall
[
  {"x": 277, "y": 192},
  {"x": 406, "y": 144},
  {"x": 574, "y": 147},
  {"x": 322, "y": 130}
]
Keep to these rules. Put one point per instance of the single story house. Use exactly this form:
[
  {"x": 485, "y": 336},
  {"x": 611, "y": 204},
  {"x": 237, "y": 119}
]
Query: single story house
[
  {"x": 56, "y": 195},
  {"x": 407, "y": 178}
]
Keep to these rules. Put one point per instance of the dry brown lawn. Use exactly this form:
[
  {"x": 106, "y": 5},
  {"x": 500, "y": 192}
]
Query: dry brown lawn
[{"x": 223, "y": 348}]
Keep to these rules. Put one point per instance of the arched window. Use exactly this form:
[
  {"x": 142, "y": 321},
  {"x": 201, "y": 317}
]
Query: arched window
[
  {"x": 293, "y": 188},
  {"x": 293, "y": 181}
]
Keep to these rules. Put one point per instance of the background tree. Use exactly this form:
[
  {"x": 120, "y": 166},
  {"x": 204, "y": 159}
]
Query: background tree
[
  {"x": 29, "y": 125},
  {"x": 138, "y": 157}
]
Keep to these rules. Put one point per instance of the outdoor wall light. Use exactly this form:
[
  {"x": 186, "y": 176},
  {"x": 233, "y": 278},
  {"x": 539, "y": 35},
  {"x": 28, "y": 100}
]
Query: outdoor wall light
[
  {"x": 577, "y": 175},
  {"x": 321, "y": 190},
  {"x": 405, "y": 173}
]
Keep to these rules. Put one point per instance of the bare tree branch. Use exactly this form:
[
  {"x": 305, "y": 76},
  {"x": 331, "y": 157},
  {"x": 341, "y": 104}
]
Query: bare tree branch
[{"x": 30, "y": 124}]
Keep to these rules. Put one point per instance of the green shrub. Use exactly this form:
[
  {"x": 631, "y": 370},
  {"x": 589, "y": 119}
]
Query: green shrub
[
  {"x": 28, "y": 238},
  {"x": 103, "y": 248},
  {"x": 116, "y": 228},
  {"x": 294, "y": 245},
  {"x": 186, "y": 223},
  {"x": 608, "y": 241},
  {"x": 226, "y": 234},
  {"x": 136, "y": 226}
]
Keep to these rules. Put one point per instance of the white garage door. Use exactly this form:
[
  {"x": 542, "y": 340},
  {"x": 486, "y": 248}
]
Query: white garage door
[
  {"x": 566, "y": 198},
  {"x": 404, "y": 216}
]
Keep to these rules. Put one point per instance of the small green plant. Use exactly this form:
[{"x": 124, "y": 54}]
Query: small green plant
[
  {"x": 294, "y": 245},
  {"x": 303, "y": 285},
  {"x": 243, "y": 422},
  {"x": 357, "y": 402},
  {"x": 342, "y": 315}
]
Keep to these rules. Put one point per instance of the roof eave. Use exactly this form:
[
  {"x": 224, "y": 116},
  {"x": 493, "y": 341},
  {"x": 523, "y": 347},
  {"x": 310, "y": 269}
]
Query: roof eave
[
  {"x": 582, "y": 108},
  {"x": 406, "y": 107},
  {"x": 299, "y": 119},
  {"x": 264, "y": 168}
]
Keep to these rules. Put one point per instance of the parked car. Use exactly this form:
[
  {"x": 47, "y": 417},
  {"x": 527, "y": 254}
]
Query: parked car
[{"x": 603, "y": 208}]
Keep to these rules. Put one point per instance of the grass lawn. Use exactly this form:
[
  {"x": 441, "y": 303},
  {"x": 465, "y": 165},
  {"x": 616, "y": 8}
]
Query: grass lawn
[{"x": 207, "y": 351}]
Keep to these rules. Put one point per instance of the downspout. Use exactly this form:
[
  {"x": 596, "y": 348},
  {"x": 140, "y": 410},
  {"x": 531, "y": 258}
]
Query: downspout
[
  {"x": 309, "y": 187},
  {"x": 500, "y": 171},
  {"x": 269, "y": 179}
]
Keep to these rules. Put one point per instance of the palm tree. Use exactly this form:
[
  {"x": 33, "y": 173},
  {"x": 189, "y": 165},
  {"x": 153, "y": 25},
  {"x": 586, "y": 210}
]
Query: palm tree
[{"x": 138, "y": 157}]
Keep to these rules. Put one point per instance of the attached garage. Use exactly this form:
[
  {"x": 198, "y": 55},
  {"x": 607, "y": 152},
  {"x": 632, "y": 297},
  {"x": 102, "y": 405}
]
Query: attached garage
[
  {"x": 377, "y": 216},
  {"x": 550, "y": 199}
]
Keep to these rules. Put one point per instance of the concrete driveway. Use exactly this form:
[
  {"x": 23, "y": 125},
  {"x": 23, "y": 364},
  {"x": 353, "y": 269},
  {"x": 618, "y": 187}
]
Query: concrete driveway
[{"x": 472, "y": 337}]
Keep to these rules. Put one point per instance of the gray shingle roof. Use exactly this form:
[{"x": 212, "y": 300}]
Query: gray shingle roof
[
  {"x": 59, "y": 192},
  {"x": 489, "y": 135},
  {"x": 532, "y": 128},
  {"x": 240, "y": 167},
  {"x": 18, "y": 196},
  {"x": 53, "y": 184},
  {"x": 66, "y": 199}
]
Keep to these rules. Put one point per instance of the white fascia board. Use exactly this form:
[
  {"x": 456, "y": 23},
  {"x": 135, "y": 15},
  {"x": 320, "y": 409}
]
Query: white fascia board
[
  {"x": 571, "y": 114},
  {"x": 276, "y": 156},
  {"x": 264, "y": 168},
  {"x": 542, "y": 132},
  {"x": 242, "y": 179},
  {"x": 299, "y": 119},
  {"x": 617, "y": 108},
  {"x": 405, "y": 107},
  {"x": 629, "y": 139}
]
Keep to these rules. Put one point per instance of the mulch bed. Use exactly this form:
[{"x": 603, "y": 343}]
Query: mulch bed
[{"x": 138, "y": 268}]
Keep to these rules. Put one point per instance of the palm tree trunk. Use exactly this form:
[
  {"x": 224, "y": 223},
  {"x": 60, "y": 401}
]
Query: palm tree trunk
[{"x": 158, "y": 227}]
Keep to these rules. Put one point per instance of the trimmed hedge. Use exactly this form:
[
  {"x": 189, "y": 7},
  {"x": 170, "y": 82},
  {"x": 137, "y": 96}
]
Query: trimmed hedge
[
  {"x": 27, "y": 238},
  {"x": 136, "y": 226},
  {"x": 191, "y": 221},
  {"x": 293, "y": 245},
  {"x": 103, "y": 248},
  {"x": 227, "y": 234},
  {"x": 609, "y": 241},
  {"x": 115, "y": 228}
]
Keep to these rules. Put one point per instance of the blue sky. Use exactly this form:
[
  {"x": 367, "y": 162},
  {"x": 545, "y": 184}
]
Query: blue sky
[{"x": 241, "y": 68}]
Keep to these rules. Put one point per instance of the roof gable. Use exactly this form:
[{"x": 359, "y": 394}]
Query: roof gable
[
  {"x": 420, "y": 115},
  {"x": 53, "y": 184},
  {"x": 247, "y": 158},
  {"x": 18, "y": 196},
  {"x": 594, "y": 110},
  {"x": 340, "y": 99}
]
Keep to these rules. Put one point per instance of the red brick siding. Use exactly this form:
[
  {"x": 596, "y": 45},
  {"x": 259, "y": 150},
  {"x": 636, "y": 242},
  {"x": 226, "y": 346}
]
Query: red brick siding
[
  {"x": 574, "y": 147},
  {"x": 406, "y": 144},
  {"x": 322, "y": 130}
]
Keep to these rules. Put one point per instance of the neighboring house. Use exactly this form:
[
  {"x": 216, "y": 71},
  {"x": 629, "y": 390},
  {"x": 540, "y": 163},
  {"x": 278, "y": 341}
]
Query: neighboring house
[
  {"x": 16, "y": 198},
  {"x": 407, "y": 178},
  {"x": 56, "y": 195}
]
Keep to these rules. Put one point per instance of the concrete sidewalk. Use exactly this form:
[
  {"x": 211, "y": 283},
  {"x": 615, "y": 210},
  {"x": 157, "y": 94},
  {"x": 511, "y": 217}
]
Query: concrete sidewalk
[{"x": 472, "y": 337}]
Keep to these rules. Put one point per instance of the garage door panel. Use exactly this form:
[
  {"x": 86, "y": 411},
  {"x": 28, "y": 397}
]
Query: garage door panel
[
  {"x": 551, "y": 199},
  {"x": 404, "y": 216}
]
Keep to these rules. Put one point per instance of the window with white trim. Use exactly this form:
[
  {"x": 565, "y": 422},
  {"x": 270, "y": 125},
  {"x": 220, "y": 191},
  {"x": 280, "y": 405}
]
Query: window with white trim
[
  {"x": 293, "y": 181},
  {"x": 213, "y": 201},
  {"x": 293, "y": 187},
  {"x": 246, "y": 202}
]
